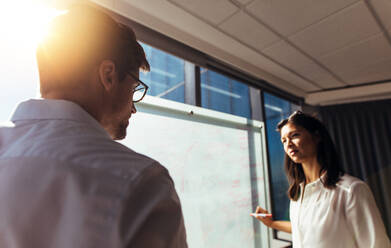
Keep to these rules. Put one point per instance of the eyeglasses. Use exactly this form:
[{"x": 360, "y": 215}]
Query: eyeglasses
[{"x": 140, "y": 91}]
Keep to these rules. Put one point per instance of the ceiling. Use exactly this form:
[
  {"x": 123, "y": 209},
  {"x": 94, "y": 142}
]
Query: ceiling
[{"x": 328, "y": 52}]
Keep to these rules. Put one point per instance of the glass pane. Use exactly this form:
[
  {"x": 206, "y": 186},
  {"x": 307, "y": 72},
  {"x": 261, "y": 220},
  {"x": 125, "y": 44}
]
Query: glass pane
[
  {"x": 277, "y": 109},
  {"x": 224, "y": 94},
  {"x": 167, "y": 76},
  {"x": 19, "y": 72}
]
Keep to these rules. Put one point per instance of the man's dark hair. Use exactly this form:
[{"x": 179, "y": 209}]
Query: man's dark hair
[
  {"x": 85, "y": 36},
  {"x": 326, "y": 154}
]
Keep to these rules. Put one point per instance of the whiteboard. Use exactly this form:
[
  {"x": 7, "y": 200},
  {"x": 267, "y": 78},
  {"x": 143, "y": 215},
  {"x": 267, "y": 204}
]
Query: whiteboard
[{"x": 217, "y": 163}]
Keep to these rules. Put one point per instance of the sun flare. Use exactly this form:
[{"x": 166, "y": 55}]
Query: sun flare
[{"x": 25, "y": 23}]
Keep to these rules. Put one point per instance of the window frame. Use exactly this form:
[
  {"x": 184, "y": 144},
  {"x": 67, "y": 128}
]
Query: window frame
[
  {"x": 275, "y": 234},
  {"x": 199, "y": 59}
]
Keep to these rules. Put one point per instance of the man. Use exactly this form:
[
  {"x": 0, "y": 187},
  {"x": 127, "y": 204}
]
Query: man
[{"x": 64, "y": 182}]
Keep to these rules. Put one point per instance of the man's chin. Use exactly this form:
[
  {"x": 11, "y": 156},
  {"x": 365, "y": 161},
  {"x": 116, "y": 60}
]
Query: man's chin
[
  {"x": 119, "y": 136},
  {"x": 120, "y": 132}
]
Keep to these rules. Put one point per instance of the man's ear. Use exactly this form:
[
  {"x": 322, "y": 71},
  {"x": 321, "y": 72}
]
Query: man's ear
[{"x": 107, "y": 74}]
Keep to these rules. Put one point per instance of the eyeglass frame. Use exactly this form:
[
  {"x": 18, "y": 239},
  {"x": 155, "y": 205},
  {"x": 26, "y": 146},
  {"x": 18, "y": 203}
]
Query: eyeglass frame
[{"x": 142, "y": 83}]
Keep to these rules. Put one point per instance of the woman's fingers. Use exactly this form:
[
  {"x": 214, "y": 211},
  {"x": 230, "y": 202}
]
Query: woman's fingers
[
  {"x": 260, "y": 210},
  {"x": 263, "y": 216}
]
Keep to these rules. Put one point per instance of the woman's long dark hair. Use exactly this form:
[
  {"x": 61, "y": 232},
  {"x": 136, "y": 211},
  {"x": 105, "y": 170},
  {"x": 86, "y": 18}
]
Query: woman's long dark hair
[{"x": 326, "y": 154}]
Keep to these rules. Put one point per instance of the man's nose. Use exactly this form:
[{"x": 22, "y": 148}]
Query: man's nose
[{"x": 133, "y": 107}]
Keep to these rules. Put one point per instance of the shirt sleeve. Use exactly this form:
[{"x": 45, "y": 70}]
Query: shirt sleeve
[
  {"x": 152, "y": 215},
  {"x": 364, "y": 218}
]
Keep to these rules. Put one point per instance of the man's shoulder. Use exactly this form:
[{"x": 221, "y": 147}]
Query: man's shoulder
[
  {"x": 73, "y": 143},
  {"x": 105, "y": 159},
  {"x": 110, "y": 155}
]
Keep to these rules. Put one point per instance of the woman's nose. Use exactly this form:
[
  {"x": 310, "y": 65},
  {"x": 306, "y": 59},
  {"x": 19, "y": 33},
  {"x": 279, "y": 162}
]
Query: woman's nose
[{"x": 289, "y": 143}]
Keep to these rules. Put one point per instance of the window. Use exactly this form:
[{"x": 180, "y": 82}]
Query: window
[
  {"x": 19, "y": 73},
  {"x": 224, "y": 94},
  {"x": 166, "y": 78},
  {"x": 277, "y": 109}
]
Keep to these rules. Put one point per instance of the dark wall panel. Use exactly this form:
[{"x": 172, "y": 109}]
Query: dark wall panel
[{"x": 362, "y": 133}]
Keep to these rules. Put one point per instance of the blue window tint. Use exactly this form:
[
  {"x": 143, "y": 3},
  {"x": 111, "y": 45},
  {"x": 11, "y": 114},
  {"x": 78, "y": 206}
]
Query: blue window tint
[
  {"x": 277, "y": 109},
  {"x": 167, "y": 76},
  {"x": 224, "y": 94}
]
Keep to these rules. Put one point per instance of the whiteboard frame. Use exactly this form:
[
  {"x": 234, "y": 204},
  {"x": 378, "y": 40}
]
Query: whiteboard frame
[
  {"x": 150, "y": 102},
  {"x": 159, "y": 106}
]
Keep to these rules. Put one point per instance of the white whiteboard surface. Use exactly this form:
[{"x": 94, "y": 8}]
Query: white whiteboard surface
[{"x": 216, "y": 162}]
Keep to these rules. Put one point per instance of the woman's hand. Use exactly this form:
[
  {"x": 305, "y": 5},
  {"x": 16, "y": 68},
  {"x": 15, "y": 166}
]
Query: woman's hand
[{"x": 267, "y": 221}]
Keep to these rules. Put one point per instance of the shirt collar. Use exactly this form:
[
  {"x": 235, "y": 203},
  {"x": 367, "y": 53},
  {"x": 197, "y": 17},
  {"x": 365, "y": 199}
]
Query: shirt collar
[
  {"x": 50, "y": 109},
  {"x": 316, "y": 182}
]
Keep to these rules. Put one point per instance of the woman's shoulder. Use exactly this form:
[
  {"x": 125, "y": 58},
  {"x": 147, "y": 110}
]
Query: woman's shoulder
[
  {"x": 349, "y": 183},
  {"x": 356, "y": 192}
]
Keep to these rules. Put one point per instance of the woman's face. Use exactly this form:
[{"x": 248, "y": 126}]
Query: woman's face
[{"x": 298, "y": 143}]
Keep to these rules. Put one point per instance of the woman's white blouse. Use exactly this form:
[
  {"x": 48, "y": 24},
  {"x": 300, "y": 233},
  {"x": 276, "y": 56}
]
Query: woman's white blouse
[{"x": 345, "y": 217}]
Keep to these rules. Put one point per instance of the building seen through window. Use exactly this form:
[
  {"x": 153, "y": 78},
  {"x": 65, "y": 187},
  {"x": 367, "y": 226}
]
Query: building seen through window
[
  {"x": 166, "y": 78},
  {"x": 218, "y": 92},
  {"x": 221, "y": 93},
  {"x": 277, "y": 109}
]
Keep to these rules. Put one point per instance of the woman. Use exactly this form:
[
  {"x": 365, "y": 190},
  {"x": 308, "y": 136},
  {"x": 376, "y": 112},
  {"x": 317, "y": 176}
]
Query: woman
[{"x": 328, "y": 207}]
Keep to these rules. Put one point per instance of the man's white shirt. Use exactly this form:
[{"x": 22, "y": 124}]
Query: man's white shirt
[{"x": 64, "y": 183}]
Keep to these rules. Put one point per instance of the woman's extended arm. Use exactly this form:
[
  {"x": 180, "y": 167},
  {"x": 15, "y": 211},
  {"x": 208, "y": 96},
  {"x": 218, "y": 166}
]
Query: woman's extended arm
[{"x": 280, "y": 225}]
